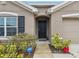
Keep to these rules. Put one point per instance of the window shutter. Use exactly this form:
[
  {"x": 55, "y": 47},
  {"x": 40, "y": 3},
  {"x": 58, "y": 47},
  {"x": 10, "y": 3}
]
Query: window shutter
[{"x": 21, "y": 24}]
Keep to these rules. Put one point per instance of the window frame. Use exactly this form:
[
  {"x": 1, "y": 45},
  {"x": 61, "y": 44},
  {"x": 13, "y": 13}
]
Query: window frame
[{"x": 5, "y": 25}]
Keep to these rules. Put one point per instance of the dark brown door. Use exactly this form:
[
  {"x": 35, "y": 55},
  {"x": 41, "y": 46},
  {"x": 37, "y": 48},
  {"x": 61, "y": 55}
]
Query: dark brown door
[{"x": 42, "y": 29}]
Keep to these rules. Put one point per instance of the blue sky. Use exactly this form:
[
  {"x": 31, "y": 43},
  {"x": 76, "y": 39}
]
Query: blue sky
[
  {"x": 44, "y": 0},
  {"x": 54, "y": 1}
]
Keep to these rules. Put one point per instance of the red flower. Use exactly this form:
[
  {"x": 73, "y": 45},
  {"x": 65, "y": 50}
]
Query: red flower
[{"x": 66, "y": 49}]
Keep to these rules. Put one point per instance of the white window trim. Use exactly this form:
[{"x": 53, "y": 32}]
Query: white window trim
[
  {"x": 11, "y": 13},
  {"x": 5, "y": 27}
]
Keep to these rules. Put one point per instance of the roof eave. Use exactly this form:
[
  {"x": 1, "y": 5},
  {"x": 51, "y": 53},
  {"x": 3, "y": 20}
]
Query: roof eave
[
  {"x": 26, "y": 6},
  {"x": 53, "y": 9}
]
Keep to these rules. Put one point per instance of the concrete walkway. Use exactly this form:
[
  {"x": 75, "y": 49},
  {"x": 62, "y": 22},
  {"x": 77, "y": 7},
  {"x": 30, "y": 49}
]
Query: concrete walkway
[{"x": 42, "y": 50}]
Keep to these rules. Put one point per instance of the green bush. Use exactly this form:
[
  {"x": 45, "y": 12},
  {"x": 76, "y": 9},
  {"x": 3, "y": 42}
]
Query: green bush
[
  {"x": 66, "y": 43},
  {"x": 23, "y": 41},
  {"x": 16, "y": 44},
  {"x": 58, "y": 42}
]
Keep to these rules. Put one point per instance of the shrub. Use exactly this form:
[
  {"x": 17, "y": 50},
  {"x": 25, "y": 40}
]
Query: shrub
[
  {"x": 56, "y": 41},
  {"x": 66, "y": 43},
  {"x": 23, "y": 40},
  {"x": 16, "y": 44},
  {"x": 59, "y": 43}
]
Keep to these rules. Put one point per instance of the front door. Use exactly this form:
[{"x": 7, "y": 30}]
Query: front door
[{"x": 42, "y": 29}]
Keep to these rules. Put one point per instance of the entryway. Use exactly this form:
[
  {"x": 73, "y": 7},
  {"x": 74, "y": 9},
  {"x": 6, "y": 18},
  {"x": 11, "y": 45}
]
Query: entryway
[
  {"x": 42, "y": 27},
  {"x": 43, "y": 50}
]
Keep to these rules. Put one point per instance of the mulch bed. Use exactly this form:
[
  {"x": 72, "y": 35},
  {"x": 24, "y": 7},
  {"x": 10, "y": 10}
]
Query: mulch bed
[
  {"x": 31, "y": 56},
  {"x": 33, "y": 52},
  {"x": 54, "y": 50}
]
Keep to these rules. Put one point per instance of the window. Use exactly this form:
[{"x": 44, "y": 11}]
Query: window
[
  {"x": 11, "y": 31},
  {"x": 1, "y": 21},
  {"x": 21, "y": 24},
  {"x": 1, "y": 31},
  {"x": 8, "y": 26},
  {"x": 11, "y": 21}
]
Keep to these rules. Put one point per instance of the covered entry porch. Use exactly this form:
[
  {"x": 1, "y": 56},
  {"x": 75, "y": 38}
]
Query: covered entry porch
[{"x": 42, "y": 27}]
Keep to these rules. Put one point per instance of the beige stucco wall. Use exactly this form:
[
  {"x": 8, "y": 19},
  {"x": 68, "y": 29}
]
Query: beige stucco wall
[
  {"x": 42, "y": 11},
  {"x": 56, "y": 17},
  {"x": 29, "y": 17}
]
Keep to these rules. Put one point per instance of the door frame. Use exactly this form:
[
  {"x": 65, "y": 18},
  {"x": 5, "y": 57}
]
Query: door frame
[{"x": 47, "y": 19}]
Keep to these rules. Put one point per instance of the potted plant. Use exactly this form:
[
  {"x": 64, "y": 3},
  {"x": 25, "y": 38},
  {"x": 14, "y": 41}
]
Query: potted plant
[
  {"x": 60, "y": 44},
  {"x": 66, "y": 44}
]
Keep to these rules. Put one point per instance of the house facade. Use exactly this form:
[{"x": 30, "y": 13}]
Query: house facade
[{"x": 41, "y": 20}]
